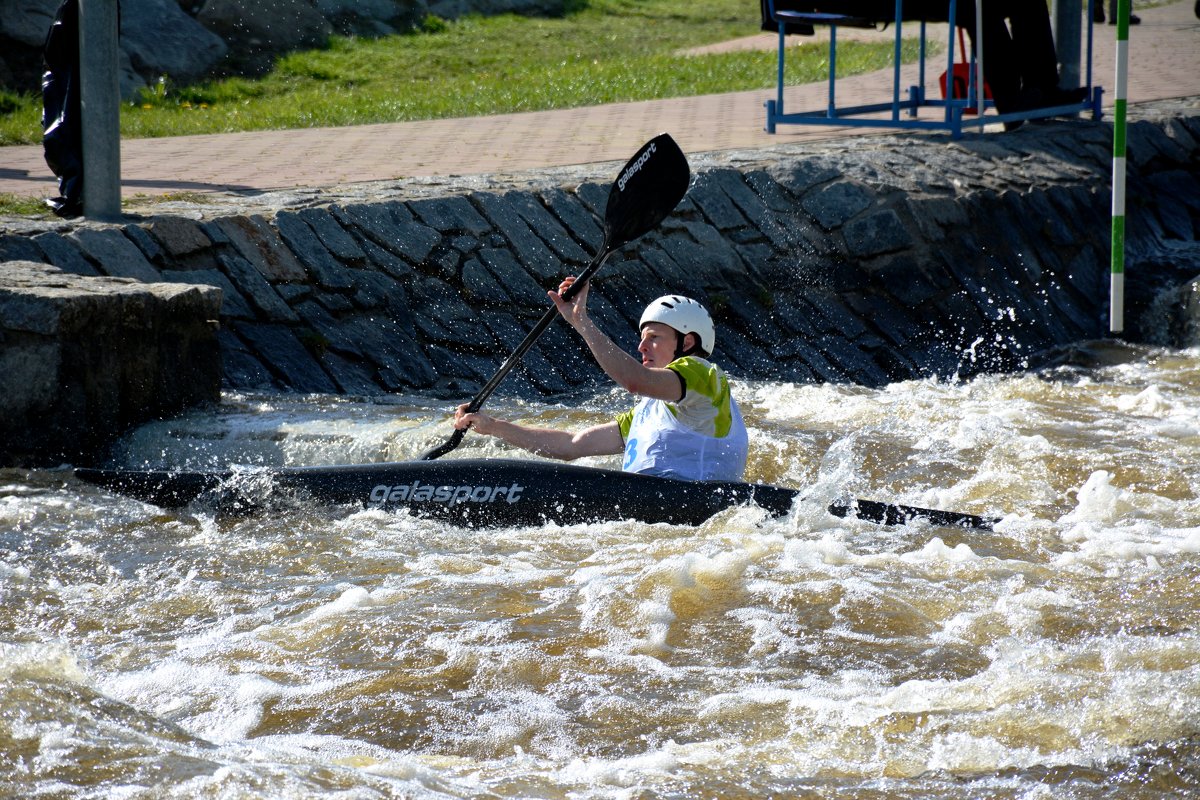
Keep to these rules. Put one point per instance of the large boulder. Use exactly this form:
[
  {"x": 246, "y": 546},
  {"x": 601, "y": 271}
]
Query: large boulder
[
  {"x": 27, "y": 21},
  {"x": 160, "y": 39},
  {"x": 82, "y": 359},
  {"x": 372, "y": 17},
  {"x": 257, "y": 31},
  {"x": 23, "y": 28}
]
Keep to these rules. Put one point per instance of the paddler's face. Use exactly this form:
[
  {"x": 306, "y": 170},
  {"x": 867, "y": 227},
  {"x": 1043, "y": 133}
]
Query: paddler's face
[{"x": 658, "y": 344}]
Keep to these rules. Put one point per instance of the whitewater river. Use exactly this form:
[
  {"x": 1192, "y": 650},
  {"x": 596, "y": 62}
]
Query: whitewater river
[{"x": 350, "y": 653}]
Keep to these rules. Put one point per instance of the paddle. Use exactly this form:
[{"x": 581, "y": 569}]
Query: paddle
[
  {"x": 647, "y": 188},
  {"x": 889, "y": 514}
]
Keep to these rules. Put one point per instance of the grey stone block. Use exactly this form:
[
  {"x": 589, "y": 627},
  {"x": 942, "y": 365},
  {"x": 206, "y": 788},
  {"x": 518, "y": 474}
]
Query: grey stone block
[
  {"x": 115, "y": 255},
  {"x": 710, "y": 256},
  {"x": 261, "y": 245},
  {"x": 336, "y": 303},
  {"x": 336, "y": 240},
  {"x": 292, "y": 365},
  {"x": 834, "y": 205},
  {"x": 293, "y": 292},
  {"x": 144, "y": 242},
  {"x": 307, "y": 247},
  {"x": 240, "y": 368},
  {"x": 391, "y": 227},
  {"x": 574, "y": 215},
  {"x": 594, "y": 197},
  {"x": 670, "y": 275},
  {"x": 233, "y": 304},
  {"x": 386, "y": 261},
  {"x": 535, "y": 368},
  {"x": 518, "y": 285},
  {"x": 374, "y": 290},
  {"x": 710, "y": 192},
  {"x": 935, "y": 216},
  {"x": 351, "y": 377},
  {"x": 830, "y": 315},
  {"x": 436, "y": 301},
  {"x": 529, "y": 208},
  {"x": 798, "y": 177},
  {"x": 19, "y": 248},
  {"x": 877, "y": 233},
  {"x": 450, "y": 215},
  {"x": 82, "y": 359},
  {"x": 255, "y": 288},
  {"x": 64, "y": 254},
  {"x": 851, "y": 359},
  {"x": 529, "y": 249},
  {"x": 385, "y": 345},
  {"x": 178, "y": 236},
  {"x": 481, "y": 288}
]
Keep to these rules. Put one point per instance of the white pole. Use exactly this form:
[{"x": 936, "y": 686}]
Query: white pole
[
  {"x": 100, "y": 108},
  {"x": 1116, "y": 302}
]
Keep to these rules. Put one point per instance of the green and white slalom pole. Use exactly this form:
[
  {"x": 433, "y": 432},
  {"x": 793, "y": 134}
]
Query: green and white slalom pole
[{"x": 1116, "y": 286}]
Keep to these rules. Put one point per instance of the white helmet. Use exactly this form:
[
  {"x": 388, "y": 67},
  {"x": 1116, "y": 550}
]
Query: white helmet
[{"x": 684, "y": 315}]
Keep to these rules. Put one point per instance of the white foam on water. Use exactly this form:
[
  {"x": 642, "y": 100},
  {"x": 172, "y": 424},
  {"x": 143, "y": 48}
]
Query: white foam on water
[
  {"x": 352, "y": 598},
  {"x": 373, "y": 654},
  {"x": 642, "y": 770},
  {"x": 54, "y": 661}
]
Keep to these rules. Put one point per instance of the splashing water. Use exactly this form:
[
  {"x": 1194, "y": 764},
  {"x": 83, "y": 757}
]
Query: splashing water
[{"x": 367, "y": 654}]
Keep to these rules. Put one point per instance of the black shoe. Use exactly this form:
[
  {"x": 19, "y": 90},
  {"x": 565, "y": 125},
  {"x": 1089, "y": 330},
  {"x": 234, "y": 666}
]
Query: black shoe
[
  {"x": 1134, "y": 19},
  {"x": 1098, "y": 15},
  {"x": 67, "y": 208}
]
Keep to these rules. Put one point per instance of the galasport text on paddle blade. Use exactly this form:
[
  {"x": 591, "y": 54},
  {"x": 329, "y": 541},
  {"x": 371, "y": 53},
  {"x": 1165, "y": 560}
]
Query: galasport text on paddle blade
[{"x": 646, "y": 190}]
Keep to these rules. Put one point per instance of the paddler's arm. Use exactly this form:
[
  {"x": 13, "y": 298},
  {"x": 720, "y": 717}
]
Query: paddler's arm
[
  {"x": 628, "y": 372},
  {"x": 599, "y": 440}
]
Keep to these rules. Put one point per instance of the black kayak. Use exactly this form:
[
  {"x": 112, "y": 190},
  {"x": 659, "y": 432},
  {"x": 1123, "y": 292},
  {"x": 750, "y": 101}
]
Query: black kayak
[{"x": 488, "y": 492}]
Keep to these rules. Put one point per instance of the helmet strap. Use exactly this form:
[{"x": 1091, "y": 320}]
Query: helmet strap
[{"x": 679, "y": 351}]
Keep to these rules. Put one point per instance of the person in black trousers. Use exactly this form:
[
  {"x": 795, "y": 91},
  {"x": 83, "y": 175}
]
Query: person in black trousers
[{"x": 62, "y": 119}]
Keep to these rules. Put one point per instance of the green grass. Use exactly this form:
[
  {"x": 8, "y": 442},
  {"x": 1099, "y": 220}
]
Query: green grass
[
  {"x": 605, "y": 51},
  {"x": 15, "y": 205}
]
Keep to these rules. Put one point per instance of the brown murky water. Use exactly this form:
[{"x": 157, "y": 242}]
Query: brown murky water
[{"x": 362, "y": 654}]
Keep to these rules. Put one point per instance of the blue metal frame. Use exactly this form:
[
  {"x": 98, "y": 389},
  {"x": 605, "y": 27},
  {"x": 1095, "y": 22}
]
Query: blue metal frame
[{"x": 955, "y": 108}]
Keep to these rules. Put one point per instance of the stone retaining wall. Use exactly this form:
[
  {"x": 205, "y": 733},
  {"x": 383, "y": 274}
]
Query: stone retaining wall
[
  {"x": 83, "y": 359},
  {"x": 869, "y": 261}
]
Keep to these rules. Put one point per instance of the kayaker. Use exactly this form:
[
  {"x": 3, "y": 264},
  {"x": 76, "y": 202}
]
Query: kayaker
[{"x": 687, "y": 424}]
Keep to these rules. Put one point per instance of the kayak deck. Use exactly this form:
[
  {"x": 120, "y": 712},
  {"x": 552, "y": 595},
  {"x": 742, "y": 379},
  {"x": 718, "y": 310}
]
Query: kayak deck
[
  {"x": 467, "y": 491},
  {"x": 486, "y": 492}
]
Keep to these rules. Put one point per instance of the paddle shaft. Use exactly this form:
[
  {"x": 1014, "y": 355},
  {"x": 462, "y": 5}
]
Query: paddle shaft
[{"x": 517, "y": 354}]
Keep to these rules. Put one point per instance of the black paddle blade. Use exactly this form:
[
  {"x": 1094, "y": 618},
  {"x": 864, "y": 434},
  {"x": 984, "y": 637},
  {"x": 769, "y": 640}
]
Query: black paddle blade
[
  {"x": 646, "y": 190},
  {"x": 889, "y": 514}
]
